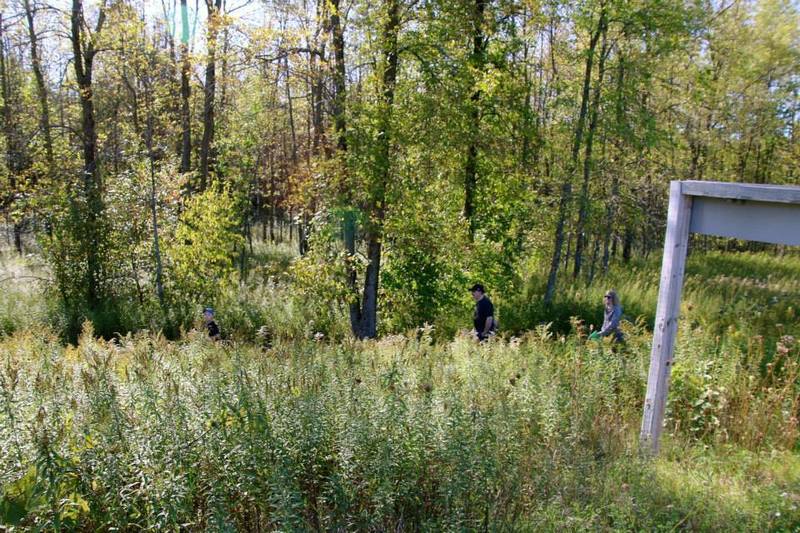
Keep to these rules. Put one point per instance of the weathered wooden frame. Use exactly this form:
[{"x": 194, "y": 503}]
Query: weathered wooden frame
[{"x": 766, "y": 213}]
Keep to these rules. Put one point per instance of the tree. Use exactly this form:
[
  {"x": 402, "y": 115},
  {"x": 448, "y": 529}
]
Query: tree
[
  {"x": 367, "y": 317},
  {"x": 477, "y": 62},
  {"x": 85, "y": 49},
  {"x": 583, "y": 211},
  {"x": 16, "y": 156},
  {"x": 186, "y": 116},
  {"x": 41, "y": 84},
  {"x": 213, "y": 24},
  {"x": 566, "y": 187}
]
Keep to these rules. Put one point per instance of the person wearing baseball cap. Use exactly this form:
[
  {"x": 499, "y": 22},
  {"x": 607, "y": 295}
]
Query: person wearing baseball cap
[
  {"x": 211, "y": 326},
  {"x": 483, "y": 320}
]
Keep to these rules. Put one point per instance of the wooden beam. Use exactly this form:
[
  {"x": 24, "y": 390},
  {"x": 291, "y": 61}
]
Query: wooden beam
[
  {"x": 784, "y": 194},
  {"x": 667, "y": 312}
]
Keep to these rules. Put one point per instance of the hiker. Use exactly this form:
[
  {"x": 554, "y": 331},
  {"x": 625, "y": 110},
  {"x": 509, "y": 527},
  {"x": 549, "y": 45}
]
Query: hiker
[
  {"x": 611, "y": 316},
  {"x": 484, "y": 313},
  {"x": 211, "y": 326}
]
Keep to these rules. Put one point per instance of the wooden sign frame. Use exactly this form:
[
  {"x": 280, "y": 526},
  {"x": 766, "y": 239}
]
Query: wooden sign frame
[{"x": 766, "y": 213}]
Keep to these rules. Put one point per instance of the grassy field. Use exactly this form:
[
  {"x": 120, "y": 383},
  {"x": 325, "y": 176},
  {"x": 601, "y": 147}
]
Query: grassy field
[{"x": 416, "y": 432}]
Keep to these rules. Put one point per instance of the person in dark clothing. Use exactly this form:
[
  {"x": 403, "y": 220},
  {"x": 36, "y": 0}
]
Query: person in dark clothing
[
  {"x": 211, "y": 326},
  {"x": 483, "y": 319},
  {"x": 612, "y": 315}
]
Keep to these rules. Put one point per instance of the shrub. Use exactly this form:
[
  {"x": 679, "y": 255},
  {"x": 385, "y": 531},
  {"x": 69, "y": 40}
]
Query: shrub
[{"x": 202, "y": 255}]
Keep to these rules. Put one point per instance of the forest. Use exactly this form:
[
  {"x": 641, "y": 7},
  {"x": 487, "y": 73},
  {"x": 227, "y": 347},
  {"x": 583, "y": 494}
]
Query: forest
[{"x": 331, "y": 177}]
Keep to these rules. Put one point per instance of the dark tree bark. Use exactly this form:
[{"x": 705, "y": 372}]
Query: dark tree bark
[
  {"x": 339, "y": 77},
  {"x": 41, "y": 85},
  {"x": 186, "y": 117},
  {"x": 290, "y": 109},
  {"x": 316, "y": 82},
  {"x": 477, "y": 62},
  {"x": 611, "y": 205},
  {"x": 527, "y": 118},
  {"x": 84, "y": 53},
  {"x": 272, "y": 198},
  {"x": 627, "y": 245},
  {"x": 593, "y": 263},
  {"x": 207, "y": 152},
  {"x": 15, "y": 148},
  {"x": 368, "y": 316},
  {"x": 223, "y": 82},
  {"x": 152, "y": 156},
  {"x": 338, "y": 108}
]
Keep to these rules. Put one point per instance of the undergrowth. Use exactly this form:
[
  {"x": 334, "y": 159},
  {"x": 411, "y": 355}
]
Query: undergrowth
[{"x": 290, "y": 424}]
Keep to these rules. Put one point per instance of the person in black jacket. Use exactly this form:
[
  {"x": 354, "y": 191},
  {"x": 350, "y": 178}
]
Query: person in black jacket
[
  {"x": 483, "y": 319},
  {"x": 211, "y": 326}
]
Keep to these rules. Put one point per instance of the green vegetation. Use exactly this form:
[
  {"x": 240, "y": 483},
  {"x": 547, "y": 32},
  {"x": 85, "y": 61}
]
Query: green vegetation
[
  {"x": 290, "y": 429},
  {"x": 330, "y": 176}
]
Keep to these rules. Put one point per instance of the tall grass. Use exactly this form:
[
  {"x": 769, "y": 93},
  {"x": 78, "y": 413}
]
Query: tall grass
[
  {"x": 400, "y": 433},
  {"x": 22, "y": 301}
]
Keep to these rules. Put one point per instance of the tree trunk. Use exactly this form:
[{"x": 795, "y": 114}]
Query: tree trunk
[
  {"x": 368, "y": 323},
  {"x": 186, "y": 117},
  {"x": 18, "y": 237},
  {"x": 566, "y": 187},
  {"x": 627, "y": 245},
  {"x": 12, "y": 135},
  {"x": 339, "y": 78},
  {"x": 317, "y": 86},
  {"x": 272, "y": 192},
  {"x": 340, "y": 129},
  {"x": 477, "y": 62},
  {"x": 153, "y": 192},
  {"x": 83, "y": 62},
  {"x": 611, "y": 206},
  {"x": 526, "y": 103},
  {"x": 595, "y": 251},
  {"x": 290, "y": 109},
  {"x": 207, "y": 152},
  {"x": 223, "y": 81},
  {"x": 302, "y": 237},
  {"x": 580, "y": 236},
  {"x": 41, "y": 86}
]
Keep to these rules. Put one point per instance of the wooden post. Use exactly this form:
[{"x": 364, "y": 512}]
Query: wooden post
[
  {"x": 764, "y": 213},
  {"x": 667, "y": 312}
]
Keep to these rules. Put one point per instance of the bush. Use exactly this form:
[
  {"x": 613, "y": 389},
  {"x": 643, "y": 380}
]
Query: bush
[{"x": 202, "y": 256}]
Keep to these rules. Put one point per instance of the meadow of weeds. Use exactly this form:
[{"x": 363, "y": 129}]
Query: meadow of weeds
[{"x": 308, "y": 429}]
